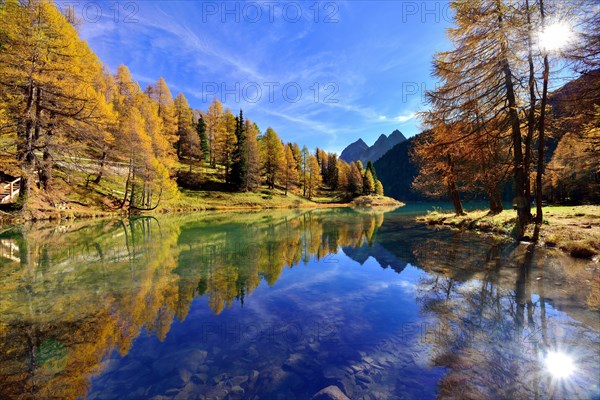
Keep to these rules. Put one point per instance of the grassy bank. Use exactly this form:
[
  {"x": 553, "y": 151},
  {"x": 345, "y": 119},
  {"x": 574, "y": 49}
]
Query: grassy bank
[
  {"x": 198, "y": 200},
  {"x": 65, "y": 202},
  {"x": 73, "y": 194},
  {"x": 573, "y": 229},
  {"x": 376, "y": 201}
]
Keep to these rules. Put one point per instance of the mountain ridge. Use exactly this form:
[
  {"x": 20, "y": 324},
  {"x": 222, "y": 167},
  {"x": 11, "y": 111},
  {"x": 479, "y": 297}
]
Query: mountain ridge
[{"x": 359, "y": 150}]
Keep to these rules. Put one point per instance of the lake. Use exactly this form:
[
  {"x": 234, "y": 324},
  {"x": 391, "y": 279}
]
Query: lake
[{"x": 282, "y": 304}]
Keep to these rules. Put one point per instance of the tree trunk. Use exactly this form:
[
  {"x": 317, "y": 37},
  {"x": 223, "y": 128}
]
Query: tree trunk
[
  {"x": 493, "y": 202},
  {"x": 523, "y": 205},
  {"x": 46, "y": 170},
  {"x": 127, "y": 184},
  {"x": 498, "y": 199},
  {"x": 38, "y": 116},
  {"x": 25, "y": 145},
  {"x": 532, "y": 105},
  {"x": 24, "y": 188},
  {"x": 304, "y": 184},
  {"x": 455, "y": 198},
  {"x": 539, "y": 217},
  {"x": 132, "y": 197},
  {"x": 143, "y": 197},
  {"x": 213, "y": 161},
  {"x": 101, "y": 170},
  {"x": 452, "y": 190}
]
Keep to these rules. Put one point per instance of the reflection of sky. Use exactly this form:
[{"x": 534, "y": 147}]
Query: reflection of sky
[
  {"x": 327, "y": 321},
  {"x": 543, "y": 351},
  {"x": 336, "y": 313},
  {"x": 348, "y": 309},
  {"x": 452, "y": 306}
]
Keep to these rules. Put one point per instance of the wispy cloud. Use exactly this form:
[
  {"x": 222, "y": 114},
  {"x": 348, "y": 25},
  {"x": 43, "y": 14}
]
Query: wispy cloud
[
  {"x": 313, "y": 125},
  {"x": 365, "y": 62},
  {"x": 401, "y": 118},
  {"x": 405, "y": 118}
]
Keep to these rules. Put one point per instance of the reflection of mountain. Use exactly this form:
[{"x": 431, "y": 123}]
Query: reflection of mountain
[
  {"x": 230, "y": 260},
  {"x": 74, "y": 294},
  {"x": 466, "y": 256},
  {"x": 383, "y": 257}
]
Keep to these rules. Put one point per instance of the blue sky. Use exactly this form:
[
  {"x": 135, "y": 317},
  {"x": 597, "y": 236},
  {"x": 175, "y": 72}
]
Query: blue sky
[{"x": 320, "y": 73}]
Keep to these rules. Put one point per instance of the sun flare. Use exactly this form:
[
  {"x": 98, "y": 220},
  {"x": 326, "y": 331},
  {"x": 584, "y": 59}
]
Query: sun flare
[
  {"x": 556, "y": 36},
  {"x": 559, "y": 364}
]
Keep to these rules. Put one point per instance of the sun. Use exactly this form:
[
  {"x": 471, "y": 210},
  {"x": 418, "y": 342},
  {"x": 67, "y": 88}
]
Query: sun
[
  {"x": 556, "y": 36},
  {"x": 559, "y": 364}
]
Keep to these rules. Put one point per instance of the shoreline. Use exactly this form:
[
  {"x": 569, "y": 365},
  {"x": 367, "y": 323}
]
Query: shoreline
[
  {"x": 55, "y": 215},
  {"x": 575, "y": 230}
]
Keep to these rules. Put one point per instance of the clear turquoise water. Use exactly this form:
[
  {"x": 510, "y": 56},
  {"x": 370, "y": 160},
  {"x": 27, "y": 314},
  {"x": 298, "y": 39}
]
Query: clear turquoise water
[{"x": 283, "y": 304}]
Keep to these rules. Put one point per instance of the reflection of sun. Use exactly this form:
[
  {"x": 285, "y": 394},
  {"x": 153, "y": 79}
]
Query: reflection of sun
[
  {"x": 555, "y": 36},
  {"x": 559, "y": 364}
]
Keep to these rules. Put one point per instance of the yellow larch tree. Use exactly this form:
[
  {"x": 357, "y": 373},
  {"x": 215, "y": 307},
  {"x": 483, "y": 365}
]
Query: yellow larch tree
[
  {"x": 161, "y": 94},
  {"x": 314, "y": 176},
  {"x": 188, "y": 141},
  {"x": 272, "y": 157},
  {"x": 225, "y": 142},
  {"x": 290, "y": 172},
  {"x": 51, "y": 104},
  {"x": 213, "y": 128}
]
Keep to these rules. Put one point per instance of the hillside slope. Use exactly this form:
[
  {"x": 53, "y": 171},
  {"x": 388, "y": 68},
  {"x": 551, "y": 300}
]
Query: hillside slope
[{"x": 396, "y": 172}]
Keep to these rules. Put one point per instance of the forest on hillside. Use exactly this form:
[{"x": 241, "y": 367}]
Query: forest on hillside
[
  {"x": 68, "y": 124},
  {"x": 73, "y": 131}
]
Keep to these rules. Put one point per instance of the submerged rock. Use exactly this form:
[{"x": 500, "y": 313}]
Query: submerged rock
[
  {"x": 200, "y": 378},
  {"x": 333, "y": 372},
  {"x": 236, "y": 393},
  {"x": 238, "y": 380},
  {"x": 253, "y": 375},
  {"x": 330, "y": 393},
  {"x": 183, "y": 360}
]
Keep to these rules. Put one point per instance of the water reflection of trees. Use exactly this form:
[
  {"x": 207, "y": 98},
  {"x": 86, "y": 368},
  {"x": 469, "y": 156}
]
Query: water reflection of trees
[
  {"x": 226, "y": 263},
  {"x": 491, "y": 327},
  {"x": 74, "y": 293}
]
